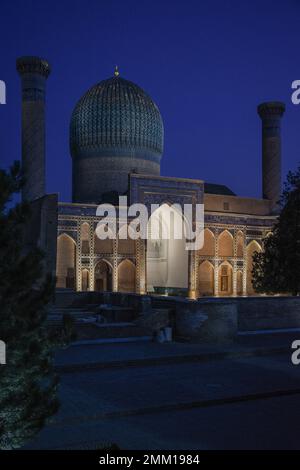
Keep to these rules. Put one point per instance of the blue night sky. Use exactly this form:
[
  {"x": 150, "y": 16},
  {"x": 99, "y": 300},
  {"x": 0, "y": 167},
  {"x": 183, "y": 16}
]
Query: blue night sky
[{"x": 207, "y": 64}]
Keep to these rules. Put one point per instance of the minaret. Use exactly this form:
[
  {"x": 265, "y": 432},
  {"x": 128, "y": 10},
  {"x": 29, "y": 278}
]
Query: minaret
[
  {"x": 34, "y": 73},
  {"x": 270, "y": 114}
]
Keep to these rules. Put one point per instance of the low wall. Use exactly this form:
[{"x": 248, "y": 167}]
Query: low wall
[
  {"x": 261, "y": 313},
  {"x": 69, "y": 298},
  {"x": 207, "y": 320},
  {"x": 213, "y": 319}
]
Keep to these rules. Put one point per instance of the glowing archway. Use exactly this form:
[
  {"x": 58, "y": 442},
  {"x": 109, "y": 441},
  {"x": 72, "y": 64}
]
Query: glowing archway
[
  {"x": 103, "y": 276},
  {"x": 225, "y": 279},
  {"x": 126, "y": 276},
  {"x": 208, "y": 248},
  {"x": 206, "y": 277},
  {"x": 167, "y": 257},
  {"x": 65, "y": 262},
  {"x": 225, "y": 244}
]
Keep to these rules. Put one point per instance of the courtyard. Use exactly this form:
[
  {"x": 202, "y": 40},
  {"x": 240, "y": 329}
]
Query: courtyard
[{"x": 177, "y": 396}]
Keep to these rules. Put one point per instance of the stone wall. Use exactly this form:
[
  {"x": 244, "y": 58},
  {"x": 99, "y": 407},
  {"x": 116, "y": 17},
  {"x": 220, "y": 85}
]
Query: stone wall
[
  {"x": 237, "y": 204},
  {"x": 259, "y": 313},
  {"x": 41, "y": 229},
  {"x": 208, "y": 320}
]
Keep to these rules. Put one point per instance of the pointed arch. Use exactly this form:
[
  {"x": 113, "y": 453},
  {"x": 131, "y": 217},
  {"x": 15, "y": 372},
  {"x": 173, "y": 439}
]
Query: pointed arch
[
  {"x": 252, "y": 247},
  {"x": 225, "y": 244},
  {"x": 102, "y": 276},
  {"x": 126, "y": 276},
  {"x": 206, "y": 278},
  {"x": 167, "y": 257},
  {"x": 208, "y": 248},
  {"x": 225, "y": 273},
  {"x": 65, "y": 262}
]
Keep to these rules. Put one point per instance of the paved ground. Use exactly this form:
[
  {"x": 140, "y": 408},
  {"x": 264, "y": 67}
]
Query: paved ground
[
  {"x": 236, "y": 402},
  {"x": 113, "y": 354}
]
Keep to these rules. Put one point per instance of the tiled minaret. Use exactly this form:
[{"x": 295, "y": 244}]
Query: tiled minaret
[
  {"x": 34, "y": 73},
  {"x": 270, "y": 114}
]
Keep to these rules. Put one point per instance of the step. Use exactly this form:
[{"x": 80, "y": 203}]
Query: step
[
  {"x": 68, "y": 310},
  {"x": 55, "y": 319},
  {"x": 118, "y": 314},
  {"x": 95, "y": 331},
  {"x": 130, "y": 339}
]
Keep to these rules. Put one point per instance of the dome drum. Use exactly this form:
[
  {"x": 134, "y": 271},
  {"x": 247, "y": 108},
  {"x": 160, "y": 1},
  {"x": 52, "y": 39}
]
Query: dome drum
[{"x": 115, "y": 129}]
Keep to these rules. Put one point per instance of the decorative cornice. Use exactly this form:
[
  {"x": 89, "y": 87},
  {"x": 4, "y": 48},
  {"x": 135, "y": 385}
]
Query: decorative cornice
[
  {"x": 33, "y": 65},
  {"x": 271, "y": 109}
]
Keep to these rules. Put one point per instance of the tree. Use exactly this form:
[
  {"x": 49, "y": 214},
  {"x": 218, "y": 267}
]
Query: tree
[
  {"x": 28, "y": 385},
  {"x": 277, "y": 268}
]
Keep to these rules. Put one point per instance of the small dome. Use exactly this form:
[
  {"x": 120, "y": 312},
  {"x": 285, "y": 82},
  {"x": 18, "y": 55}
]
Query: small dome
[{"x": 116, "y": 118}]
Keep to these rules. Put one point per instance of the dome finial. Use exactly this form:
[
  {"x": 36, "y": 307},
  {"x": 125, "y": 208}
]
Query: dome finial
[{"x": 117, "y": 73}]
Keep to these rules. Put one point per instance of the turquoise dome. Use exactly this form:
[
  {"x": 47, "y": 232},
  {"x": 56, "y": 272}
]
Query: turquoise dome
[{"x": 116, "y": 118}]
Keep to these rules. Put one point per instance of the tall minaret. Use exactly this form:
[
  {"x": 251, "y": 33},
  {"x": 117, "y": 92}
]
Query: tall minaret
[
  {"x": 34, "y": 73},
  {"x": 270, "y": 114}
]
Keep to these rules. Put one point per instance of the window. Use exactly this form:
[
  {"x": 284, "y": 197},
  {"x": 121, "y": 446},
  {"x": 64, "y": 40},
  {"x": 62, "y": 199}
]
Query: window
[{"x": 226, "y": 206}]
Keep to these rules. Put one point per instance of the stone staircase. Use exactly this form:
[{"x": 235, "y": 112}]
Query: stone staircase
[{"x": 110, "y": 324}]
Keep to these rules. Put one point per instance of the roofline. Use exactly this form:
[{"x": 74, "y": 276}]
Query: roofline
[{"x": 169, "y": 178}]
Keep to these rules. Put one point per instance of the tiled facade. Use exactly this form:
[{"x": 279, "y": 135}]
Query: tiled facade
[{"x": 243, "y": 235}]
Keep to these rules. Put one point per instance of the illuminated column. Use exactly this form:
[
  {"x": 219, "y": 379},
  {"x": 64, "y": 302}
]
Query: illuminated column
[
  {"x": 197, "y": 263},
  {"x": 115, "y": 266},
  {"x": 92, "y": 257},
  {"x": 34, "y": 73},
  {"x": 191, "y": 274},
  {"x": 216, "y": 263},
  {"x": 245, "y": 265},
  {"x": 234, "y": 271},
  {"x": 78, "y": 258},
  {"x": 140, "y": 267},
  {"x": 270, "y": 114},
  {"x": 234, "y": 279},
  {"x": 145, "y": 266}
]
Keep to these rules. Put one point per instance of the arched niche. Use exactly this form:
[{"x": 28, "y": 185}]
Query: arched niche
[
  {"x": 103, "y": 276},
  {"x": 225, "y": 244},
  {"x": 206, "y": 279},
  {"x": 65, "y": 262},
  {"x": 126, "y": 276},
  {"x": 167, "y": 257},
  {"x": 208, "y": 248},
  {"x": 225, "y": 279}
]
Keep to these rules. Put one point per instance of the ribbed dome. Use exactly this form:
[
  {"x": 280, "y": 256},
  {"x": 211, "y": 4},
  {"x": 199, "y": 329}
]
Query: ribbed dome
[{"x": 116, "y": 118}]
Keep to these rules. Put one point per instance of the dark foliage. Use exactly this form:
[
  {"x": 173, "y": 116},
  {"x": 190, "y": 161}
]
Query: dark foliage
[
  {"x": 28, "y": 386},
  {"x": 276, "y": 269}
]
